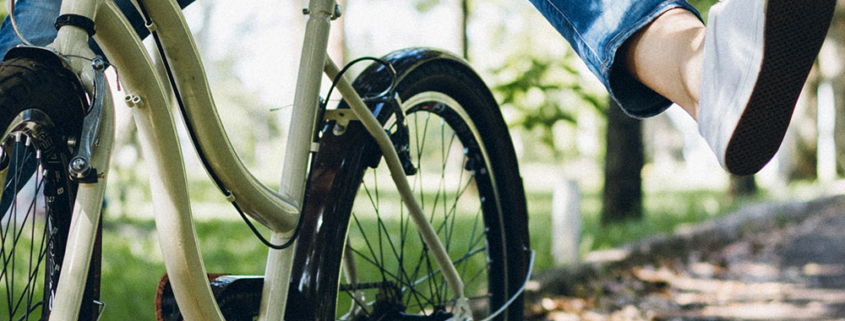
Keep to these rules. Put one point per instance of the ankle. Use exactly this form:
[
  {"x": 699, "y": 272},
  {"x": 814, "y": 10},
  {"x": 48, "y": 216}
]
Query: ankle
[{"x": 667, "y": 56}]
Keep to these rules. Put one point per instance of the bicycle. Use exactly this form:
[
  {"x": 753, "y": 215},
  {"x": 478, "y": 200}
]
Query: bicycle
[{"x": 407, "y": 109}]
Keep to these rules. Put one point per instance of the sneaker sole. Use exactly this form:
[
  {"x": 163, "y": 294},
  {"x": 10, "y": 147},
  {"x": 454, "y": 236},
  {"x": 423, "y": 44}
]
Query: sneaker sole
[{"x": 794, "y": 32}]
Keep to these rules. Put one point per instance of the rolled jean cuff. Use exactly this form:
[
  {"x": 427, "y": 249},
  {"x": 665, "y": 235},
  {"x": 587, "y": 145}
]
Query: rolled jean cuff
[
  {"x": 633, "y": 96},
  {"x": 36, "y": 18},
  {"x": 597, "y": 29}
]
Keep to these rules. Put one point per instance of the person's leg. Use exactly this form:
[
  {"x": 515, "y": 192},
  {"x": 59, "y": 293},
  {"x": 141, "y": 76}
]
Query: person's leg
[
  {"x": 599, "y": 32},
  {"x": 740, "y": 77},
  {"x": 667, "y": 56},
  {"x": 35, "y": 20}
]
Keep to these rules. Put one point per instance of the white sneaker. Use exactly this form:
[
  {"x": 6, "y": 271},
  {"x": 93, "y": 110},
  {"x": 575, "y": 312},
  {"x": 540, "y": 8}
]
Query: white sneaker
[{"x": 757, "y": 55}]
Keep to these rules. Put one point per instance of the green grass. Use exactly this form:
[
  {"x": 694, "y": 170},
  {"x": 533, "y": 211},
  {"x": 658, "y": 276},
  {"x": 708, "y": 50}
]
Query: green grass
[
  {"x": 664, "y": 212},
  {"x": 133, "y": 266}
]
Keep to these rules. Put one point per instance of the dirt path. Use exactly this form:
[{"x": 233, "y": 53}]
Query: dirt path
[{"x": 793, "y": 271}]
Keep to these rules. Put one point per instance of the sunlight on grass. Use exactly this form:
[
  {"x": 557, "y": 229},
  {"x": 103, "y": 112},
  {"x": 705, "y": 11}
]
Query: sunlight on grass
[
  {"x": 132, "y": 264},
  {"x": 664, "y": 212}
]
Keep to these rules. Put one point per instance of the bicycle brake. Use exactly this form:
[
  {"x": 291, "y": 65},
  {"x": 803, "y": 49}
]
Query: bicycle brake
[
  {"x": 80, "y": 165},
  {"x": 399, "y": 137}
]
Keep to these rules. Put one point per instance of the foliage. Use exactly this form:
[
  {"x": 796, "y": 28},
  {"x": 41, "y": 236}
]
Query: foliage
[
  {"x": 426, "y": 5},
  {"x": 702, "y": 5},
  {"x": 537, "y": 78},
  {"x": 544, "y": 91}
]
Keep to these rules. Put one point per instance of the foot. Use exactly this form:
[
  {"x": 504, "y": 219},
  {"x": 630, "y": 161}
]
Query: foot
[{"x": 757, "y": 55}]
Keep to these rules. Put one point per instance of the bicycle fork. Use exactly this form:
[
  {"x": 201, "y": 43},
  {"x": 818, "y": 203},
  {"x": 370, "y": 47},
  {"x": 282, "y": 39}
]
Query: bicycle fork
[
  {"x": 314, "y": 59},
  {"x": 397, "y": 172}
]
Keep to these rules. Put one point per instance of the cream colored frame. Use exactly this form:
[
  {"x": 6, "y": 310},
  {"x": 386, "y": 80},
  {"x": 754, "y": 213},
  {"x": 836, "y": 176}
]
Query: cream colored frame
[{"x": 160, "y": 144}]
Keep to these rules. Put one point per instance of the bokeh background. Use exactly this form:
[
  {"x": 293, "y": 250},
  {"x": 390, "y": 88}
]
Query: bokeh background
[{"x": 558, "y": 113}]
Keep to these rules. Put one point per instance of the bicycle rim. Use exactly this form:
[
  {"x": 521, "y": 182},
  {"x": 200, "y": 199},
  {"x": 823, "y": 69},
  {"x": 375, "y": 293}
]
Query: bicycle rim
[
  {"x": 473, "y": 197},
  {"x": 396, "y": 273},
  {"x": 30, "y": 230}
]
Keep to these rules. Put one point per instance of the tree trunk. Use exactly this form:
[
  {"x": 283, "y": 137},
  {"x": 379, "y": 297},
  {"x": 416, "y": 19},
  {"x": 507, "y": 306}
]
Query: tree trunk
[
  {"x": 464, "y": 28},
  {"x": 833, "y": 69},
  {"x": 624, "y": 162},
  {"x": 742, "y": 186}
]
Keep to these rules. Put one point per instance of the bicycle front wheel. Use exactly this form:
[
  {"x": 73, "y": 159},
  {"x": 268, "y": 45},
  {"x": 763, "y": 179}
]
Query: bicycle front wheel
[
  {"x": 41, "y": 107},
  {"x": 468, "y": 185}
]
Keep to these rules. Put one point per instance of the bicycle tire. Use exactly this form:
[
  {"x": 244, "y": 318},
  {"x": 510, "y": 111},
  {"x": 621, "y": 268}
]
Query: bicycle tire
[
  {"x": 41, "y": 106},
  {"x": 448, "y": 90}
]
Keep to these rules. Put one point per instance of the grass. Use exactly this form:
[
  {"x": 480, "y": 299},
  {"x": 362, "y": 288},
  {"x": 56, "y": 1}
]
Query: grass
[
  {"x": 133, "y": 266},
  {"x": 664, "y": 212}
]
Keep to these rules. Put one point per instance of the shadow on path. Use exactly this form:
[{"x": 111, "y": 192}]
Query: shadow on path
[{"x": 775, "y": 269}]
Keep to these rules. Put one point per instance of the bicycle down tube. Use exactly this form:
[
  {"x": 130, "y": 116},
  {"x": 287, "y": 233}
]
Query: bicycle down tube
[{"x": 159, "y": 142}]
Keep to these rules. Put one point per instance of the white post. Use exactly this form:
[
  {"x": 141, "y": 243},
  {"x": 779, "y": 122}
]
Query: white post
[
  {"x": 826, "y": 149},
  {"x": 566, "y": 222}
]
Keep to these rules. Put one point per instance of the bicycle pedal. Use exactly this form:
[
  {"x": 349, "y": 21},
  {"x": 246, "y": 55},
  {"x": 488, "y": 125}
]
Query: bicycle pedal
[{"x": 239, "y": 297}]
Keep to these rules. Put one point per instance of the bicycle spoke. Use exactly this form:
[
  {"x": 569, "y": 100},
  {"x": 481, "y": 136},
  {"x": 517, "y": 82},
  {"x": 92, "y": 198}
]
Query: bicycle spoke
[
  {"x": 43, "y": 108},
  {"x": 420, "y": 147},
  {"x": 471, "y": 237},
  {"x": 12, "y": 235},
  {"x": 369, "y": 245},
  {"x": 34, "y": 264},
  {"x": 446, "y": 150},
  {"x": 31, "y": 282},
  {"x": 387, "y": 273},
  {"x": 44, "y": 233},
  {"x": 25, "y": 294},
  {"x": 12, "y": 258}
]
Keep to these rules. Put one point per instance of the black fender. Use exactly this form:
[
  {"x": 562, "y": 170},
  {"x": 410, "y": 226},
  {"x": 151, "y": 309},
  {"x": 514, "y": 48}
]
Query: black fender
[
  {"x": 50, "y": 57},
  {"x": 328, "y": 201},
  {"x": 41, "y": 54},
  {"x": 377, "y": 78}
]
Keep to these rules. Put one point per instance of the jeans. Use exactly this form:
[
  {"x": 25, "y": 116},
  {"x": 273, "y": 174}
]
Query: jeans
[
  {"x": 35, "y": 19},
  {"x": 597, "y": 29}
]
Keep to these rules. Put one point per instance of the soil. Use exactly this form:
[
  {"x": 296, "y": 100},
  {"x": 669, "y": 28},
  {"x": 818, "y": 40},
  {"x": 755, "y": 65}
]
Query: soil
[{"x": 770, "y": 267}]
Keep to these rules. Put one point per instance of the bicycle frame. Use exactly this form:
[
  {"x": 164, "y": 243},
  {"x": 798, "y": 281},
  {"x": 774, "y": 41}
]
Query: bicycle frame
[{"x": 160, "y": 144}]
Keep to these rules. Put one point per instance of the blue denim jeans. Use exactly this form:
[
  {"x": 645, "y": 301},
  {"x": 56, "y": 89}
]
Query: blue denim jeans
[
  {"x": 598, "y": 29},
  {"x": 35, "y": 19}
]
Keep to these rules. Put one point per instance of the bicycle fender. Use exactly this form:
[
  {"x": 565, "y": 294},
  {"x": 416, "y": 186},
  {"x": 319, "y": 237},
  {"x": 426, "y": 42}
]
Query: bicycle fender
[
  {"x": 324, "y": 227},
  {"x": 41, "y": 54},
  {"x": 377, "y": 77}
]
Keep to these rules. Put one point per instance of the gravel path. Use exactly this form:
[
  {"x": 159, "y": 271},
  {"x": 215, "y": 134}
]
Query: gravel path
[{"x": 776, "y": 268}]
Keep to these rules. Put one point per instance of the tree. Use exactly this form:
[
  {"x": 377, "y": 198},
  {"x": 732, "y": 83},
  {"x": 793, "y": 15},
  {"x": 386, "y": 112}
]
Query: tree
[
  {"x": 464, "y": 27},
  {"x": 833, "y": 72},
  {"x": 559, "y": 85},
  {"x": 624, "y": 162},
  {"x": 742, "y": 186}
]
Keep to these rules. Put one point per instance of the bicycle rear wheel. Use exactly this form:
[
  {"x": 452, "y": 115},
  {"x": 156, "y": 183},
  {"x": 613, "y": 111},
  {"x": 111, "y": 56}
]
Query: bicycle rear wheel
[
  {"x": 41, "y": 106},
  {"x": 468, "y": 185}
]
